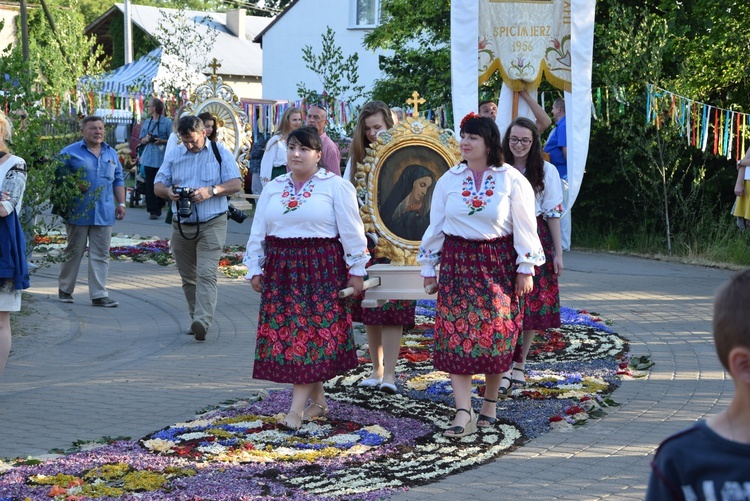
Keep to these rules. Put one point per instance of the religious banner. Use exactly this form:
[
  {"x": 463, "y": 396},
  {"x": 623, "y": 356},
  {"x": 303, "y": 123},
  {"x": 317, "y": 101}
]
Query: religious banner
[{"x": 525, "y": 40}]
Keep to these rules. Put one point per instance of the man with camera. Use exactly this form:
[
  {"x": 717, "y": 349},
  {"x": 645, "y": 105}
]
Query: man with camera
[{"x": 197, "y": 176}]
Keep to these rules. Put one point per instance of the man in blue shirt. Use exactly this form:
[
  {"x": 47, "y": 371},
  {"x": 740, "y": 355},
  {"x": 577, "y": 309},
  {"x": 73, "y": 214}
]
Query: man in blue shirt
[
  {"x": 93, "y": 214},
  {"x": 198, "y": 238},
  {"x": 557, "y": 148}
]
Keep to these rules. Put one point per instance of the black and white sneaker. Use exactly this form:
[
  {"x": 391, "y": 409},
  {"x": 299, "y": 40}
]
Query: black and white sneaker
[{"x": 105, "y": 302}]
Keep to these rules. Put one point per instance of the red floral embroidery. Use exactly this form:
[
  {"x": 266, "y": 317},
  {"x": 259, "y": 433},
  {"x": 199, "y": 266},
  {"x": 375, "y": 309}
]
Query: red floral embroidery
[
  {"x": 293, "y": 201},
  {"x": 474, "y": 198}
]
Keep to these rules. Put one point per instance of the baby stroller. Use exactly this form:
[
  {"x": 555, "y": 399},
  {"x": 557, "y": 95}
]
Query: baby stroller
[
  {"x": 131, "y": 169},
  {"x": 138, "y": 191}
]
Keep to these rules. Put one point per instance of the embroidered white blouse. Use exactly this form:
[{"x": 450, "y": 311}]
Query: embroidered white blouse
[
  {"x": 324, "y": 207},
  {"x": 274, "y": 156},
  {"x": 549, "y": 201},
  {"x": 502, "y": 205}
]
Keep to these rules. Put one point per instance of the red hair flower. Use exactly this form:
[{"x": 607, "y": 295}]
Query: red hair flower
[{"x": 470, "y": 116}]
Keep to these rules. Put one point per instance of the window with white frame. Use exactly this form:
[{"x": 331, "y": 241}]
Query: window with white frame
[{"x": 366, "y": 13}]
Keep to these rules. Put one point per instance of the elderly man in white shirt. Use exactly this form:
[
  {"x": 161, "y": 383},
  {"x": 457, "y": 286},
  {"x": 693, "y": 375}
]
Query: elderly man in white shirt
[{"x": 202, "y": 173}]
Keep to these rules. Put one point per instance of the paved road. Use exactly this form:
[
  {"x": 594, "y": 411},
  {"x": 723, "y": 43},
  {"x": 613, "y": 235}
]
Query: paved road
[{"x": 132, "y": 370}]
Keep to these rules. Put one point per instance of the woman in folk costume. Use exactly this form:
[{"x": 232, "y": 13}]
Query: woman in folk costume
[
  {"x": 307, "y": 243},
  {"x": 385, "y": 324},
  {"x": 14, "y": 273},
  {"x": 523, "y": 150},
  {"x": 483, "y": 234}
]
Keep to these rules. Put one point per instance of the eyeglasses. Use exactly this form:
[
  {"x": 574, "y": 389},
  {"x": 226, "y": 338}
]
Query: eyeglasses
[{"x": 524, "y": 141}]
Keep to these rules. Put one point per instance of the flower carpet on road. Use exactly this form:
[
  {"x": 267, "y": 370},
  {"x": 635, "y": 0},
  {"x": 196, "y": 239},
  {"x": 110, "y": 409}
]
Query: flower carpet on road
[
  {"x": 370, "y": 444},
  {"x": 145, "y": 249}
]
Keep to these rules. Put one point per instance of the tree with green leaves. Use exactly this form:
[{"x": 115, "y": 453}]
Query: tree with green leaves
[
  {"x": 143, "y": 43},
  {"x": 338, "y": 75},
  {"x": 59, "y": 57},
  {"x": 643, "y": 182},
  {"x": 418, "y": 32},
  {"x": 265, "y": 8},
  {"x": 91, "y": 9},
  {"x": 37, "y": 139},
  {"x": 185, "y": 46}
]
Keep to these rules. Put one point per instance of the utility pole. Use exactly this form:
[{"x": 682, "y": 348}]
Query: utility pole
[
  {"x": 128, "y": 33},
  {"x": 24, "y": 32}
]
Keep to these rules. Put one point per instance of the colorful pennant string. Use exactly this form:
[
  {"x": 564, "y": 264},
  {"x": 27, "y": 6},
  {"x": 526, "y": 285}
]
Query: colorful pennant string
[
  {"x": 724, "y": 131},
  {"x": 696, "y": 119}
]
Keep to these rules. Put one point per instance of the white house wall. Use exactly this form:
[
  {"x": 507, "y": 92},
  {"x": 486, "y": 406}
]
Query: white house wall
[
  {"x": 8, "y": 34},
  {"x": 304, "y": 24},
  {"x": 244, "y": 87}
]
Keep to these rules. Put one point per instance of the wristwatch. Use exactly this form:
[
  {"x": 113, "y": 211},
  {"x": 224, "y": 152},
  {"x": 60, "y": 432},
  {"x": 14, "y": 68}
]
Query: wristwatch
[
  {"x": 214, "y": 190},
  {"x": 121, "y": 204}
]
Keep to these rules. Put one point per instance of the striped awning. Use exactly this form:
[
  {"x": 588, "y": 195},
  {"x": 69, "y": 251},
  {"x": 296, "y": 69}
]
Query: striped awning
[{"x": 145, "y": 75}]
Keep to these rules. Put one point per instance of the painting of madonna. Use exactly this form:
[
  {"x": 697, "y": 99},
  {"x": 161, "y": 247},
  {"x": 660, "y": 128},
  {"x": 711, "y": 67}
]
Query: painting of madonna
[{"x": 406, "y": 211}]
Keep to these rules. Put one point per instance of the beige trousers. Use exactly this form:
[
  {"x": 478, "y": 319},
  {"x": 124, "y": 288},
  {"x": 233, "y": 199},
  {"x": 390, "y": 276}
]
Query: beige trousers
[
  {"x": 99, "y": 238},
  {"x": 198, "y": 261}
]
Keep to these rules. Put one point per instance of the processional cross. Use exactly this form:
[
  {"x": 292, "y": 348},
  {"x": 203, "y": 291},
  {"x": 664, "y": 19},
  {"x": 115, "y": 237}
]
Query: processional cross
[
  {"x": 214, "y": 65},
  {"x": 415, "y": 101}
]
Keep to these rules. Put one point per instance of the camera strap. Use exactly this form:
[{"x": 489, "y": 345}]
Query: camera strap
[
  {"x": 152, "y": 126},
  {"x": 197, "y": 228},
  {"x": 198, "y": 224},
  {"x": 218, "y": 158}
]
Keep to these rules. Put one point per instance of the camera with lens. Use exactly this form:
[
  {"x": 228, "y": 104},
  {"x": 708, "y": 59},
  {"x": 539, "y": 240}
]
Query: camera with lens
[
  {"x": 153, "y": 139},
  {"x": 235, "y": 214},
  {"x": 184, "y": 204}
]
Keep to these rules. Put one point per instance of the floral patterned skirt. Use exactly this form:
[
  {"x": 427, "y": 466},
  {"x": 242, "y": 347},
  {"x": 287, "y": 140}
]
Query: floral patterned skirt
[
  {"x": 304, "y": 329},
  {"x": 478, "y": 316},
  {"x": 391, "y": 313},
  {"x": 542, "y": 304}
]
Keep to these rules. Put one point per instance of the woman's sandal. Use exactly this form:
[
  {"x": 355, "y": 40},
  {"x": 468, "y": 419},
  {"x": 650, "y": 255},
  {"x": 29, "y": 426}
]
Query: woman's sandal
[
  {"x": 484, "y": 421},
  {"x": 285, "y": 425},
  {"x": 320, "y": 411},
  {"x": 462, "y": 431},
  {"x": 504, "y": 391},
  {"x": 519, "y": 382},
  {"x": 370, "y": 382}
]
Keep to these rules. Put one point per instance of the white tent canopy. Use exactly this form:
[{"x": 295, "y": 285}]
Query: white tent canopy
[{"x": 153, "y": 72}]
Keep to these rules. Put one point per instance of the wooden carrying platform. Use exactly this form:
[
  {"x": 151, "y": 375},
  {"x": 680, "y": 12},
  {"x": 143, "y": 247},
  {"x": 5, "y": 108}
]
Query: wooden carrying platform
[
  {"x": 396, "y": 282},
  {"x": 241, "y": 201}
]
